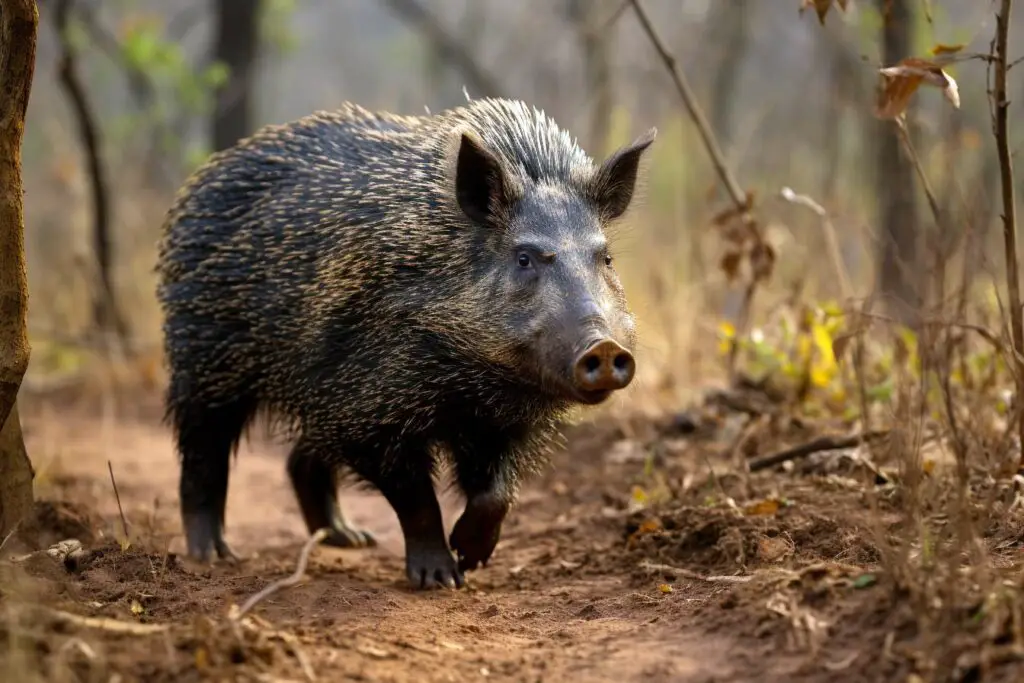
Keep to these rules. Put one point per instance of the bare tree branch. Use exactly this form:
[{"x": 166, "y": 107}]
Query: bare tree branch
[
  {"x": 1001, "y": 104},
  {"x": 448, "y": 46},
  {"x": 106, "y": 314},
  {"x": 736, "y": 193}
]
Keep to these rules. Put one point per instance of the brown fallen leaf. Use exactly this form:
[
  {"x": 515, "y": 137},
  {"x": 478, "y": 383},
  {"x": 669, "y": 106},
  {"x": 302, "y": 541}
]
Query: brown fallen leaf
[
  {"x": 762, "y": 261},
  {"x": 730, "y": 264},
  {"x": 648, "y": 526},
  {"x": 773, "y": 549},
  {"x": 768, "y": 506},
  {"x": 902, "y": 80}
]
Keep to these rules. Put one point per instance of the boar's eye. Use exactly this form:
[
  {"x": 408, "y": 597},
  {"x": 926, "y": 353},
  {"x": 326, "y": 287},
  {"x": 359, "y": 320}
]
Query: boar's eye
[
  {"x": 524, "y": 260},
  {"x": 607, "y": 259}
]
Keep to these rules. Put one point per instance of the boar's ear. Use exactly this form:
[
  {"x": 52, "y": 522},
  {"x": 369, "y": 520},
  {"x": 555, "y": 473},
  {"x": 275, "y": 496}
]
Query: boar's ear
[
  {"x": 481, "y": 184},
  {"x": 613, "y": 184}
]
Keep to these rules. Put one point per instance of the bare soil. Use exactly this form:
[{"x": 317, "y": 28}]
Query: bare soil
[{"x": 768, "y": 577}]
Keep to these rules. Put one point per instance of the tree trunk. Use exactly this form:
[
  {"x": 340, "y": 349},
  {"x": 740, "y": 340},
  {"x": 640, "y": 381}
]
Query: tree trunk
[
  {"x": 896, "y": 188},
  {"x": 19, "y": 21},
  {"x": 16, "y": 475},
  {"x": 237, "y": 46}
]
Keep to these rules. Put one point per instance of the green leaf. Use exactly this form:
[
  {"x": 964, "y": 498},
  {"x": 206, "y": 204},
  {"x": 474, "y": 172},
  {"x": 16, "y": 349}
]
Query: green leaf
[
  {"x": 216, "y": 75},
  {"x": 864, "y": 580}
]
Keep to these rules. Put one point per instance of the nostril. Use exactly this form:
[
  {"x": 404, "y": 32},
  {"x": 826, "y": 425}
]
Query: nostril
[
  {"x": 622, "y": 362},
  {"x": 592, "y": 363}
]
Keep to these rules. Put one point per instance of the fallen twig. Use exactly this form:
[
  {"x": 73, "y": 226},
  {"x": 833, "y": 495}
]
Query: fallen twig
[
  {"x": 286, "y": 582},
  {"x": 822, "y": 443},
  {"x": 653, "y": 568},
  {"x": 292, "y": 642},
  {"x": 117, "y": 496},
  {"x": 102, "y": 623},
  {"x": 9, "y": 534}
]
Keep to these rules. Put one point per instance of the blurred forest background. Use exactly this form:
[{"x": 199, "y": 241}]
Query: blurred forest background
[{"x": 130, "y": 95}]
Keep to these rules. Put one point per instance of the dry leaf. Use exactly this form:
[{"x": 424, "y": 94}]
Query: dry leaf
[
  {"x": 762, "y": 260},
  {"x": 730, "y": 264},
  {"x": 647, "y": 526},
  {"x": 901, "y": 81},
  {"x": 773, "y": 548},
  {"x": 137, "y": 608},
  {"x": 664, "y": 588},
  {"x": 943, "y": 49},
  {"x": 768, "y": 506}
]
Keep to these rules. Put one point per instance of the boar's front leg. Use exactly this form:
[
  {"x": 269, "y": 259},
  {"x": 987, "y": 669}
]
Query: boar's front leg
[{"x": 487, "y": 466}]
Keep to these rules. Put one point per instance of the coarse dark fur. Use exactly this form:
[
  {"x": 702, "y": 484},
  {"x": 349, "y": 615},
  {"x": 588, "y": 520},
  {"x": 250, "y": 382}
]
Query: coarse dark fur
[{"x": 361, "y": 276}]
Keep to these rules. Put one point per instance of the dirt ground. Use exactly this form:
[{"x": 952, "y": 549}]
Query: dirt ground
[{"x": 625, "y": 562}]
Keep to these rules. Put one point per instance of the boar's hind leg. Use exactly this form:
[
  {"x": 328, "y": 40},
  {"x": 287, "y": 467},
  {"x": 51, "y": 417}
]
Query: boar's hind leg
[
  {"x": 205, "y": 438},
  {"x": 316, "y": 489}
]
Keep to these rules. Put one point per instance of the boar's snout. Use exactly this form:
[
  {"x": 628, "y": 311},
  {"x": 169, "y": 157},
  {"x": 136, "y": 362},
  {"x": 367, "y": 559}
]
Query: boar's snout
[{"x": 605, "y": 366}]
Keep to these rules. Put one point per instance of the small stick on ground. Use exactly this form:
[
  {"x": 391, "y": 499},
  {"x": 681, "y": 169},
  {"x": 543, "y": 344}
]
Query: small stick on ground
[
  {"x": 117, "y": 496},
  {"x": 653, "y": 568},
  {"x": 13, "y": 530},
  {"x": 822, "y": 443},
  {"x": 288, "y": 581},
  {"x": 99, "y": 623}
]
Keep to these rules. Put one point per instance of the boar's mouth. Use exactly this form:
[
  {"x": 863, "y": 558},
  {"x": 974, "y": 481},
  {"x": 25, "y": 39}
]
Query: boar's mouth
[{"x": 592, "y": 398}]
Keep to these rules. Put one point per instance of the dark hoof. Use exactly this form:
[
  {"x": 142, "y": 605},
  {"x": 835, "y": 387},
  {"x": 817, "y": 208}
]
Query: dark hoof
[
  {"x": 476, "y": 533},
  {"x": 350, "y": 538},
  {"x": 430, "y": 569},
  {"x": 204, "y": 537}
]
